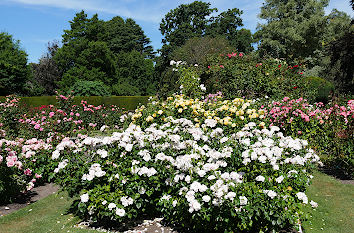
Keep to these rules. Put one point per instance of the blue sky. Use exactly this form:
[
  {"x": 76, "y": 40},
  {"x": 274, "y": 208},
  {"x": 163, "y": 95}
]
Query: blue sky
[{"x": 36, "y": 22}]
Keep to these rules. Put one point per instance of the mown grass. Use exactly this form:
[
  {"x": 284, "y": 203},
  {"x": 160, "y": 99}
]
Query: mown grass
[
  {"x": 47, "y": 215},
  {"x": 334, "y": 214}
]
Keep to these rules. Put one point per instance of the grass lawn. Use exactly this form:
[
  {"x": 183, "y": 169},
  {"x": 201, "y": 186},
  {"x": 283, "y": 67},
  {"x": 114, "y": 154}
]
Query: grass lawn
[
  {"x": 334, "y": 214},
  {"x": 47, "y": 215}
]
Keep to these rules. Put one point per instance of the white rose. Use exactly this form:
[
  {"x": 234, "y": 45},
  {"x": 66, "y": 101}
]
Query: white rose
[
  {"x": 111, "y": 206},
  {"x": 260, "y": 178},
  {"x": 84, "y": 197},
  {"x": 206, "y": 198},
  {"x": 120, "y": 212},
  {"x": 243, "y": 200}
]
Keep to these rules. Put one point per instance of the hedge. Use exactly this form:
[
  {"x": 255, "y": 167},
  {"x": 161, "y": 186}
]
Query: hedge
[{"x": 126, "y": 102}]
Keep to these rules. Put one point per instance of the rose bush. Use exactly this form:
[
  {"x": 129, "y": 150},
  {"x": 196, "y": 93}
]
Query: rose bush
[
  {"x": 328, "y": 128},
  {"x": 23, "y": 163},
  {"x": 205, "y": 166},
  {"x": 64, "y": 119}
]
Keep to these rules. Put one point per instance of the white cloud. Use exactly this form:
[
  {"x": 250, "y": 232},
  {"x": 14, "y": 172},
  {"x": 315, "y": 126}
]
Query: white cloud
[{"x": 121, "y": 8}]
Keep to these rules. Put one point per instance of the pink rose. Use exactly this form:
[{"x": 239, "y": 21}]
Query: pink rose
[{"x": 27, "y": 172}]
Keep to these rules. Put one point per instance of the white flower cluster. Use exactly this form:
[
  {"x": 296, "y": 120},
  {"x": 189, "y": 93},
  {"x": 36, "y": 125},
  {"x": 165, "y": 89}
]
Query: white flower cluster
[
  {"x": 61, "y": 165},
  {"x": 202, "y": 162},
  {"x": 94, "y": 171}
]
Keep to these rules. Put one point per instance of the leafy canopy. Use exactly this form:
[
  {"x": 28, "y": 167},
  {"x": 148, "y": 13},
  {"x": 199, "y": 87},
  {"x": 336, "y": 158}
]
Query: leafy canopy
[
  {"x": 97, "y": 51},
  {"x": 14, "y": 71},
  {"x": 297, "y": 28}
]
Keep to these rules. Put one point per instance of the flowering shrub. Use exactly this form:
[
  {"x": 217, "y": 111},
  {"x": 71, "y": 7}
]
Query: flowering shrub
[
  {"x": 22, "y": 164},
  {"x": 65, "y": 119},
  {"x": 234, "y": 113},
  {"x": 207, "y": 167},
  {"x": 9, "y": 114},
  {"x": 329, "y": 129},
  {"x": 213, "y": 97},
  {"x": 237, "y": 74},
  {"x": 189, "y": 79}
]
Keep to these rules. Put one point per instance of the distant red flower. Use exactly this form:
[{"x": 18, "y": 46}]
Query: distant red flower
[
  {"x": 279, "y": 66},
  {"x": 295, "y": 87}
]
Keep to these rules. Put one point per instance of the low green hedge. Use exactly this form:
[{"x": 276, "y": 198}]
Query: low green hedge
[{"x": 126, "y": 102}]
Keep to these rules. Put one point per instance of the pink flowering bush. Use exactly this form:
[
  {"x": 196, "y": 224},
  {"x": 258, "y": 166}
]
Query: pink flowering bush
[
  {"x": 65, "y": 119},
  {"x": 328, "y": 128},
  {"x": 23, "y": 164},
  {"x": 10, "y": 112}
]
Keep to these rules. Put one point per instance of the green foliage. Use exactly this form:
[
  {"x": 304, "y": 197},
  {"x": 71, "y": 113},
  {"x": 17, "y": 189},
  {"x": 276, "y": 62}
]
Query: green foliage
[
  {"x": 320, "y": 88},
  {"x": 194, "y": 20},
  {"x": 197, "y": 49},
  {"x": 126, "y": 36},
  {"x": 243, "y": 41},
  {"x": 14, "y": 71},
  {"x": 83, "y": 28},
  {"x": 237, "y": 75},
  {"x": 341, "y": 69},
  {"x": 114, "y": 52},
  {"x": 185, "y": 22},
  {"x": 126, "y": 102},
  {"x": 338, "y": 23},
  {"x": 93, "y": 61},
  {"x": 294, "y": 28},
  {"x": 189, "y": 82},
  {"x": 194, "y": 51},
  {"x": 90, "y": 88},
  {"x": 135, "y": 74}
]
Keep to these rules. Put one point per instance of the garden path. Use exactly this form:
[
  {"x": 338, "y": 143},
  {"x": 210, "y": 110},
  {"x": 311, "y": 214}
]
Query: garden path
[{"x": 23, "y": 200}]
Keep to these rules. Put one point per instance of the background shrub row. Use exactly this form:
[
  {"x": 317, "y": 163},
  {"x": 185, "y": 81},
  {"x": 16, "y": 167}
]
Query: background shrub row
[{"x": 126, "y": 102}]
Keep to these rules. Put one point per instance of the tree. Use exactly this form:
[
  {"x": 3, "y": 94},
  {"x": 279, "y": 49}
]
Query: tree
[
  {"x": 83, "y": 28},
  {"x": 185, "y": 22},
  {"x": 86, "y": 60},
  {"x": 14, "y": 71},
  {"x": 134, "y": 75},
  {"x": 126, "y": 36},
  {"x": 340, "y": 69},
  {"x": 197, "y": 50},
  {"x": 194, "y": 20},
  {"x": 46, "y": 74},
  {"x": 338, "y": 23},
  {"x": 243, "y": 41},
  {"x": 94, "y": 49},
  {"x": 294, "y": 28}
]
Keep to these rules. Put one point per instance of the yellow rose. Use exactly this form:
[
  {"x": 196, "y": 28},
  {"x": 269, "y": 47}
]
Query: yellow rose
[
  {"x": 149, "y": 118},
  {"x": 180, "y": 110},
  {"x": 262, "y": 124},
  {"x": 154, "y": 115}
]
